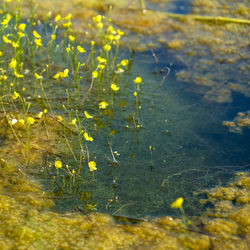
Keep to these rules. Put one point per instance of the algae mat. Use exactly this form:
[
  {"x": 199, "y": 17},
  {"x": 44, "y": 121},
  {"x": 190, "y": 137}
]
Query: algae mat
[{"x": 27, "y": 223}]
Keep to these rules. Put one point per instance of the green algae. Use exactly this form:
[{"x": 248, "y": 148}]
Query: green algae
[
  {"x": 29, "y": 223},
  {"x": 239, "y": 122}
]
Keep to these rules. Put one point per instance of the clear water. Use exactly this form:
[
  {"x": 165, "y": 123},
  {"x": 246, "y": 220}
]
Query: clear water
[{"x": 191, "y": 150}]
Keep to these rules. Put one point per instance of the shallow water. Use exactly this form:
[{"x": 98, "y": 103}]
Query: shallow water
[{"x": 191, "y": 150}]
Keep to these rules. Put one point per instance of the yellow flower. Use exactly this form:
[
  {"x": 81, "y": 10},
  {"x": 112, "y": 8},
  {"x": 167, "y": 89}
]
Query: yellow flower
[
  {"x": 103, "y": 105},
  {"x": 114, "y": 87},
  {"x": 92, "y": 43},
  {"x": 107, "y": 47},
  {"x": 99, "y": 26},
  {"x": 6, "y": 20},
  {"x": 111, "y": 30},
  {"x": 39, "y": 115},
  {"x": 117, "y": 37},
  {"x": 177, "y": 203},
  {"x": 137, "y": 80},
  {"x": 57, "y": 18},
  {"x": 101, "y": 60},
  {"x": 67, "y": 25},
  {"x": 80, "y": 49},
  {"x": 101, "y": 66},
  {"x": 20, "y": 34},
  {"x": 68, "y": 17},
  {"x": 65, "y": 73},
  {"x": 110, "y": 38},
  {"x": 17, "y": 75},
  {"x": 6, "y": 39},
  {"x": 119, "y": 32},
  {"x": 87, "y": 137},
  {"x": 87, "y": 115},
  {"x": 13, "y": 63},
  {"x": 124, "y": 62},
  {"x": 30, "y": 120},
  {"x": 67, "y": 49},
  {"x": 38, "y": 42},
  {"x": 92, "y": 166},
  {"x": 38, "y": 76},
  {"x": 53, "y": 37},
  {"x": 58, "y": 164},
  {"x": 56, "y": 76},
  {"x": 1, "y": 53},
  {"x": 36, "y": 35},
  {"x": 71, "y": 38},
  {"x": 59, "y": 118},
  {"x": 97, "y": 19},
  {"x": 21, "y": 122},
  {"x": 94, "y": 74},
  {"x": 73, "y": 122},
  {"x": 21, "y": 26},
  {"x": 45, "y": 111},
  {"x": 15, "y": 45}
]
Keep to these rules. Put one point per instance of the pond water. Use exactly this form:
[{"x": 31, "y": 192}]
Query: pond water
[
  {"x": 179, "y": 149},
  {"x": 191, "y": 150}
]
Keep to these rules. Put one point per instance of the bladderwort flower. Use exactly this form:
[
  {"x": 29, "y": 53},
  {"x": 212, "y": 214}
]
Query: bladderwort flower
[
  {"x": 124, "y": 62},
  {"x": 21, "y": 27},
  {"x": 6, "y": 39},
  {"x": 87, "y": 137},
  {"x": 101, "y": 60},
  {"x": 73, "y": 122},
  {"x": 68, "y": 17},
  {"x": 177, "y": 203},
  {"x": 6, "y": 20},
  {"x": 107, "y": 47},
  {"x": 57, "y": 18},
  {"x": 97, "y": 19},
  {"x": 94, "y": 74},
  {"x": 103, "y": 105},
  {"x": 30, "y": 120},
  {"x": 71, "y": 38},
  {"x": 114, "y": 87},
  {"x": 15, "y": 95},
  {"x": 38, "y": 42},
  {"x": 38, "y": 76},
  {"x": 36, "y": 34},
  {"x": 59, "y": 118},
  {"x": 13, "y": 63},
  {"x": 87, "y": 115},
  {"x": 137, "y": 80},
  {"x": 81, "y": 49},
  {"x": 92, "y": 166},
  {"x": 58, "y": 164},
  {"x": 17, "y": 75},
  {"x": 60, "y": 75}
]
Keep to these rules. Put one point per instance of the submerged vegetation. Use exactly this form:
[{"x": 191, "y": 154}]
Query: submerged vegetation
[{"x": 60, "y": 88}]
